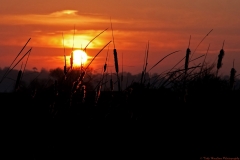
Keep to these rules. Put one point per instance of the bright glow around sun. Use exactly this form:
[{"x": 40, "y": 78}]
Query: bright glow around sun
[{"x": 79, "y": 57}]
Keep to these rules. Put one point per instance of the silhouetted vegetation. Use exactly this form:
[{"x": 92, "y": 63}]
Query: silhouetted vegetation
[
  {"x": 63, "y": 112},
  {"x": 57, "y": 121}
]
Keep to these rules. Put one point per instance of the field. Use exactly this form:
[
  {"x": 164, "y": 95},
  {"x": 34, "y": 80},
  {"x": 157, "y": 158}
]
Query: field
[
  {"x": 138, "y": 120},
  {"x": 187, "y": 110}
]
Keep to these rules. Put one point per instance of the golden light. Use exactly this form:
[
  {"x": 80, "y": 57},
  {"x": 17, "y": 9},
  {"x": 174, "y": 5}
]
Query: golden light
[{"x": 79, "y": 57}]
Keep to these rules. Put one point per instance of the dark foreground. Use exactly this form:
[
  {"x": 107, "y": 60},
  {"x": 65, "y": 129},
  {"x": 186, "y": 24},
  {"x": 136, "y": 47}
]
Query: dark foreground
[{"x": 142, "y": 124}]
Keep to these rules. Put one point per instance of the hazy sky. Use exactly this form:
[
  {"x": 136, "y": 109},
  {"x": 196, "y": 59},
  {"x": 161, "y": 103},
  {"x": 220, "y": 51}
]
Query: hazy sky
[{"x": 166, "y": 24}]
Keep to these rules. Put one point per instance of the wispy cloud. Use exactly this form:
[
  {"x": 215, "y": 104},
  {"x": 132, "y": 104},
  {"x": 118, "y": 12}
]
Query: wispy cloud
[{"x": 64, "y": 17}]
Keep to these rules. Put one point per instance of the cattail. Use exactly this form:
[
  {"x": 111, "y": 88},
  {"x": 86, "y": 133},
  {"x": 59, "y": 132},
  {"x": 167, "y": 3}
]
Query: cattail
[
  {"x": 114, "y": 52},
  {"x": 232, "y": 76},
  {"x": 115, "y": 60},
  {"x": 188, "y": 52},
  {"x": 116, "y": 67},
  {"x": 65, "y": 66},
  {"x": 71, "y": 60},
  {"x": 104, "y": 67},
  {"x": 220, "y": 57}
]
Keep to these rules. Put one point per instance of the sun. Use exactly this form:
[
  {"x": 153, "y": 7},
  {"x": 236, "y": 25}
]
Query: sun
[{"x": 79, "y": 57}]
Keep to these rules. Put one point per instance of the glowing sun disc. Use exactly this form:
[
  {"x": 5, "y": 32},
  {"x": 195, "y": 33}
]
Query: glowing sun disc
[{"x": 79, "y": 57}]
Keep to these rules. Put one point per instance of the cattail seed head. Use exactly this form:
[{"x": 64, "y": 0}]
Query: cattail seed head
[
  {"x": 220, "y": 57},
  {"x": 105, "y": 67},
  {"x": 232, "y": 77},
  {"x": 188, "y": 52},
  {"x": 71, "y": 60},
  {"x": 115, "y": 59}
]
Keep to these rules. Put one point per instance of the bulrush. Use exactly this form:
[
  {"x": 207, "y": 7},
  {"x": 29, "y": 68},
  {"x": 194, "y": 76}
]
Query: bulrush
[
  {"x": 71, "y": 58},
  {"x": 71, "y": 61},
  {"x": 65, "y": 65},
  {"x": 116, "y": 61},
  {"x": 232, "y": 76},
  {"x": 220, "y": 57},
  {"x": 188, "y": 52}
]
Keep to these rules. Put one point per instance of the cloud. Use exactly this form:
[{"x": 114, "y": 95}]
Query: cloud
[
  {"x": 64, "y": 12},
  {"x": 64, "y": 17}
]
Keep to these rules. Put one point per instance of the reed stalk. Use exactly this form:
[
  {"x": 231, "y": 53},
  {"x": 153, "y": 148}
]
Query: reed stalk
[
  {"x": 14, "y": 61},
  {"x": 162, "y": 59},
  {"x": 115, "y": 59},
  {"x": 145, "y": 63},
  {"x": 16, "y": 64},
  {"x": 204, "y": 58},
  {"x": 93, "y": 39},
  {"x": 201, "y": 42}
]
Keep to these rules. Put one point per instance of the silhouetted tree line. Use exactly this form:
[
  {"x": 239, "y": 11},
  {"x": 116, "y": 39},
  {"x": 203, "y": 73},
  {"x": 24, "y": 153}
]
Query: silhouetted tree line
[{"x": 158, "y": 113}]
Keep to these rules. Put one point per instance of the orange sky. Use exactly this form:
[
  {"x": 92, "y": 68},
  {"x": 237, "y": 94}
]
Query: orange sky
[{"x": 166, "y": 24}]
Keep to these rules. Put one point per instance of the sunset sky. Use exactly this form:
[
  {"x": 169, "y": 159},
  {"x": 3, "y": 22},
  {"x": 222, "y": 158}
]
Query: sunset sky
[{"x": 166, "y": 24}]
